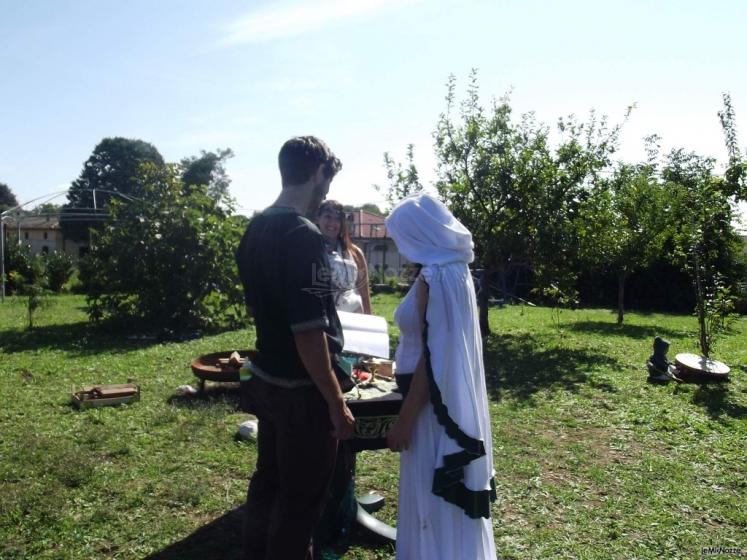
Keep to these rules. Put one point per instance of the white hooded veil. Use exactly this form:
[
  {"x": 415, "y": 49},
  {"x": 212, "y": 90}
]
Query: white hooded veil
[{"x": 428, "y": 234}]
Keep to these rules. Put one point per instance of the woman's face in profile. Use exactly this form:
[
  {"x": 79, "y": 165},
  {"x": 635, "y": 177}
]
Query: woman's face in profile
[{"x": 330, "y": 223}]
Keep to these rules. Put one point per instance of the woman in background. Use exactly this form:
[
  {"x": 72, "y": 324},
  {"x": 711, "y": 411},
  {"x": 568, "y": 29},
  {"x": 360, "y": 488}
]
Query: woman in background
[
  {"x": 346, "y": 261},
  {"x": 443, "y": 429},
  {"x": 349, "y": 280}
]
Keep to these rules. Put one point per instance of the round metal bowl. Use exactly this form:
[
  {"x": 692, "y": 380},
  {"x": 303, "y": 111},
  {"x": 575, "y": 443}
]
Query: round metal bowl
[
  {"x": 697, "y": 368},
  {"x": 208, "y": 367}
]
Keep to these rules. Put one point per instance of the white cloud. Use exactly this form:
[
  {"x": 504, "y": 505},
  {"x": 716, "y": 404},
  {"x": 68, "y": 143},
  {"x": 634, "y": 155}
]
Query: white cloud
[{"x": 291, "y": 20}]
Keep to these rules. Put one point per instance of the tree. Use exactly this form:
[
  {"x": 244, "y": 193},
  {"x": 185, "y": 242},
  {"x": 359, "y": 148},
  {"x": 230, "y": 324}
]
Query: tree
[
  {"x": 165, "y": 260},
  {"x": 208, "y": 169},
  {"x": 573, "y": 170},
  {"x": 47, "y": 208},
  {"x": 369, "y": 207},
  {"x": 18, "y": 267},
  {"x": 487, "y": 168},
  {"x": 7, "y": 198},
  {"x": 735, "y": 178},
  {"x": 622, "y": 224},
  {"x": 36, "y": 288},
  {"x": 517, "y": 196},
  {"x": 705, "y": 243},
  {"x": 111, "y": 168},
  {"x": 59, "y": 267},
  {"x": 372, "y": 209},
  {"x": 403, "y": 180}
]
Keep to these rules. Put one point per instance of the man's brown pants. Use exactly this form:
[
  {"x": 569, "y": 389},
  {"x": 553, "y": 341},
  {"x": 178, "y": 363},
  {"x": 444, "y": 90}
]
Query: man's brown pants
[{"x": 295, "y": 459}]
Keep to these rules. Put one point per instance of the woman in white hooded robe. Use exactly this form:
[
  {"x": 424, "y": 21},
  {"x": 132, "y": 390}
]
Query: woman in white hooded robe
[{"x": 443, "y": 430}]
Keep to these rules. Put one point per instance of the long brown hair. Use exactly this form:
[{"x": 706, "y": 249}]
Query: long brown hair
[{"x": 344, "y": 236}]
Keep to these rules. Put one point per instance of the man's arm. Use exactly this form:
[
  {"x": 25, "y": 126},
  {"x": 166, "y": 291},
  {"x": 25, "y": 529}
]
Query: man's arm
[
  {"x": 307, "y": 318},
  {"x": 312, "y": 348}
]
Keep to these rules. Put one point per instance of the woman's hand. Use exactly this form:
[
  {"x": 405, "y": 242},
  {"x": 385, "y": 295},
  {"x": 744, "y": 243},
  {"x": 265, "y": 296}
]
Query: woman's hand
[{"x": 398, "y": 438}]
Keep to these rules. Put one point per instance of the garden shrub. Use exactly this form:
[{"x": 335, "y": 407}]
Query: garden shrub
[
  {"x": 165, "y": 261},
  {"x": 59, "y": 269}
]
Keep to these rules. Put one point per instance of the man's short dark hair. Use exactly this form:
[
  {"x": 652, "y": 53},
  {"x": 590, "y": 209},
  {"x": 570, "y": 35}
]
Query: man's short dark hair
[{"x": 300, "y": 156}]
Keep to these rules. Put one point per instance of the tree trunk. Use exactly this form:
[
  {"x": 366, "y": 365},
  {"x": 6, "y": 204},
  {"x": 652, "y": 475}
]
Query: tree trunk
[
  {"x": 621, "y": 277},
  {"x": 483, "y": 300},
  {"x": 700, "y": 306}
]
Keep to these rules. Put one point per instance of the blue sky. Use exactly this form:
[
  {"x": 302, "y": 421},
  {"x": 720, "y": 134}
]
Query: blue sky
[{"x": 367, "y": 76}]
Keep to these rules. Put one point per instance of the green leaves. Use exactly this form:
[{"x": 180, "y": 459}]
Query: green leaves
[
  {"x": 109, "y": 169},
  {"x": 165, "y": 261},
  {"x": 517, "y": 194},
  {"x": 704, "y": 241},
  {"x": 59, "y": 268},
  {"x": 7, "y": 198},
  {"x": 403, "y": 180}
]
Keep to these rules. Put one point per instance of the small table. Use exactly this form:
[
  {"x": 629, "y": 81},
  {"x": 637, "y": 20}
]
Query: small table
[{"x": 375, "y": 407}]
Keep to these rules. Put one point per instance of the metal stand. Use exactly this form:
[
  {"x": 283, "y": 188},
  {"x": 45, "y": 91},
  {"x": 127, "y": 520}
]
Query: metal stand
[{"x": 371, "y": 525}]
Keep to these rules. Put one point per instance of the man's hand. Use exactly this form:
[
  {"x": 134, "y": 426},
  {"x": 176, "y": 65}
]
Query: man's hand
[
  {"x": 343, "y": 422},
  {"x": 398, "y": 438}
]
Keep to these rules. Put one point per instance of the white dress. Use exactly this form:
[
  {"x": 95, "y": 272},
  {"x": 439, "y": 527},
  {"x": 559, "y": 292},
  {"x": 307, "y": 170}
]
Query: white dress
[
  {"x": 410, "y": 347},
  {"x": 344, "y": 280},
  {"x": 428, "y": 527}
]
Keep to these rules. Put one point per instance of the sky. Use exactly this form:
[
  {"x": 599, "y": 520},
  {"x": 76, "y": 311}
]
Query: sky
[{"x": 366, "y": 76}]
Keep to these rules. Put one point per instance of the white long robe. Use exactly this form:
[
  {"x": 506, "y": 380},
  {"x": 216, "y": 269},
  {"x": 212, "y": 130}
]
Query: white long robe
[{"x": 446, "y": 477}]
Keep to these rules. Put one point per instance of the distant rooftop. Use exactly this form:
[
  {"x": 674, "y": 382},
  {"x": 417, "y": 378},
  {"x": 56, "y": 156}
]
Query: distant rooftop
[
  {"x": 32, "y": 222},
  {"x": 364, "y": 224}
]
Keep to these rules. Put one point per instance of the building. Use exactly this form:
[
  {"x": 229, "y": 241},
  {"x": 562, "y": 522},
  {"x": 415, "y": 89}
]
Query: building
[
  {"x": 368, "y": 232},
  {"x": 42, "y": 234}
]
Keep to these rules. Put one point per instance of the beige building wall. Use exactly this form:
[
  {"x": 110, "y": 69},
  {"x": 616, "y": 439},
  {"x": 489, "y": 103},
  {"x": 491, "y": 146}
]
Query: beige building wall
[{"x": 43, "y": 237}]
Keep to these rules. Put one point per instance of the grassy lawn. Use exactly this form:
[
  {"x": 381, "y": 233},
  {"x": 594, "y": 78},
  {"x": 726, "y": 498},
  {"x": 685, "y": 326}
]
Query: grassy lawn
[{"x": 591, "y": 461}]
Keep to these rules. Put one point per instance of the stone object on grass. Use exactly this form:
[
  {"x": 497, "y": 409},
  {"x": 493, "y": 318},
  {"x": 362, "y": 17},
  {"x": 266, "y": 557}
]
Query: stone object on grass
[{"x": 249, "y": 429}]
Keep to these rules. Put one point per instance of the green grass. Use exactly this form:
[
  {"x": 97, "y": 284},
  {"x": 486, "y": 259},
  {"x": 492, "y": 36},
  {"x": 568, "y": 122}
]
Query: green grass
[{"x": 591, "y": 461}]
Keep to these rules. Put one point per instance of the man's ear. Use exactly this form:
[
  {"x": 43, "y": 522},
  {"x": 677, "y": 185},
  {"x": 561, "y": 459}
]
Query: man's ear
[{"x": 318, "y": 175}]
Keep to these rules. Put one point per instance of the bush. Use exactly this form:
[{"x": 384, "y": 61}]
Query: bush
[
  {"x": 166, "y": 261},
  {"x": 60, "y": 268},
  {"x": 18, "y": 267},
  {"x": 74, "y": 284}
]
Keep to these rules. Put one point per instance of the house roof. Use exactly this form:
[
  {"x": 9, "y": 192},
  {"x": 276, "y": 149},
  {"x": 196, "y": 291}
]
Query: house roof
[
  {"x": 34, "y": 222},
  {"x": 365, "y": 225}
]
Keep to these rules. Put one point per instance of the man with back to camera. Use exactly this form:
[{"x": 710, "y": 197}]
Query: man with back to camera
[{"x": 293, "y": 389}]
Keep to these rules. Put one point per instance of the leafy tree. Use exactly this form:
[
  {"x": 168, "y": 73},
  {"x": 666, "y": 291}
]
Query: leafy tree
[
  {"x": 7, "y": 198},
  {"x": 573, "y": 169},
  {"x": 735, "y": 178},
  {"x": 18, "y": 266},
  {"x": 372, "y": 209},
  {"x": 59, "y": 267},
  {"x": 623, "y": 224},
  {"x": 26, "y": 276},
  {"x": 36, "y": 288},
  {"x": 487, "y": 168},
  {"x": 403, "y": 180},
  {"x": 47, "y": 208},
  {"x": 208, "y": 169},
  {"x": 704, "y": 240},
  {"x": 367, "y": 207},
  {"x": 517, "y": 196},
  {"x": 165, "y": 260},
  {"x": 111, "y": 168}
]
